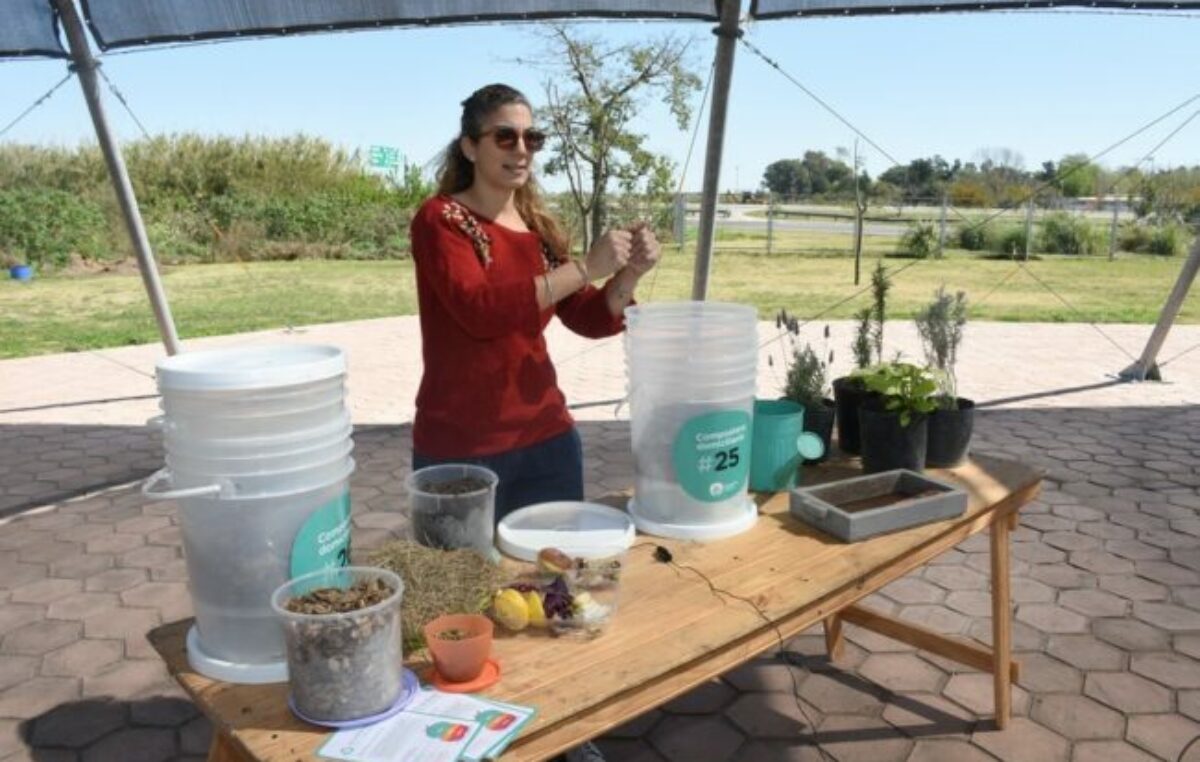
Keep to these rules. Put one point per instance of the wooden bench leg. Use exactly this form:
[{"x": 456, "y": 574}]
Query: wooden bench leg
[
  {"x": 1001, "y": 621},
  {"x": 833, "y": 636}
]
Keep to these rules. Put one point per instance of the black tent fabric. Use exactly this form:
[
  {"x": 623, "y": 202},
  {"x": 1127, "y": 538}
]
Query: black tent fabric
[
  {"x": 28, "y": 28},
  {"x": 772, "y": 9},
  {"x": 126, "y": 23}
]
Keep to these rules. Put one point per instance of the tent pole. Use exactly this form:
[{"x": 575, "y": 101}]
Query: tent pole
[
  {"x": 727, "y": 36},
  {"x": 1146, "y": 366},
  {"x": 85, "y": 66}
]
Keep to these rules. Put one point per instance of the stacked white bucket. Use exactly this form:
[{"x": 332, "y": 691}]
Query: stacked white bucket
[
  {"x": 692, "y": 369},
  {"x": 258, "y": 449}
]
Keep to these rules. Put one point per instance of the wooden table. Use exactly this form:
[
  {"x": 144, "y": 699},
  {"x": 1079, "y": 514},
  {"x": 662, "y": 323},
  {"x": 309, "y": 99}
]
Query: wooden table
[{"x": 672, "y": 633}]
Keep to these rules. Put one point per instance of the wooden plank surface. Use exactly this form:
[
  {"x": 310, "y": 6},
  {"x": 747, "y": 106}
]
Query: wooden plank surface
[{"x": 670, "y": 633}]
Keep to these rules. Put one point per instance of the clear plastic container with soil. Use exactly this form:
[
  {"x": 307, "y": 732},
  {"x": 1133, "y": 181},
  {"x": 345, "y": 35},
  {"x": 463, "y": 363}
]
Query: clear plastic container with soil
[
  {"x": 453, "y": 506},
  {"x": 342, "y": 629}
]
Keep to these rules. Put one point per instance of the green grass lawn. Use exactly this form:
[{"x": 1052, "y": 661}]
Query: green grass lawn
[{"x": 60, "y": 314}]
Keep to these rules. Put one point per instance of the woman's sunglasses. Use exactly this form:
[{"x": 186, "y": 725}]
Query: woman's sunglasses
[{"x": 507, "y": 137}]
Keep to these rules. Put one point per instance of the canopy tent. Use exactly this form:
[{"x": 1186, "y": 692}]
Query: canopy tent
[{"x": 30, "y": 29}]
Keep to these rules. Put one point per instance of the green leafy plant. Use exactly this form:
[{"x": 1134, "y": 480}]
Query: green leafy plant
[
  {"x": 940, "y": 326},
  {"x": 1061, "y": 233},
  {"x": 919, "y": 241},
  {"x": 807, "y": 379},
  {"x": 907, "y": 390},
  {"x": 861, "y": 347},
  {"x": 881, "y": 284}
]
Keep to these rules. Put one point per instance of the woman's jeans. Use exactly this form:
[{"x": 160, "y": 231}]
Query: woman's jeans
[{"x": 539, "y": 473}]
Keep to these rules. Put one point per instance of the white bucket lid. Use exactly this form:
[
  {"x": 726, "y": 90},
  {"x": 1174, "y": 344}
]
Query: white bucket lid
[
  {"x": 260, "y": 367},
  {"x": 579, "y": 529}
]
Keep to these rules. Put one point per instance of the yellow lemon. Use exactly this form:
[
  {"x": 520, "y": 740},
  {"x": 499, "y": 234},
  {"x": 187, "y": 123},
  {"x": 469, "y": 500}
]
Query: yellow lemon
[
  {"x": 537, "y": 612},
  {"x": 510, "y": 609}
]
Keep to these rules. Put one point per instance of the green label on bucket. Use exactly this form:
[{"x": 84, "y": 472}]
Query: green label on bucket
[
  {"x": 712, "y": 455},
  {"x": 324, "y": 540}
]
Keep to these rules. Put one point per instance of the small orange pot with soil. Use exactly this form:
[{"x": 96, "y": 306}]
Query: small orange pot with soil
[{"x": 460, "y": 645}]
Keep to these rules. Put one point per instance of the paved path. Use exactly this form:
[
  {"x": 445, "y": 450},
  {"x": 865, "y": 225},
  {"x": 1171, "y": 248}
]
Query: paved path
[{"x": 1106, "y": 571}]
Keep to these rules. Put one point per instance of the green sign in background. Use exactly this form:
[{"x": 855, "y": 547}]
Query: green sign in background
[{"x": 712, "y": 455}]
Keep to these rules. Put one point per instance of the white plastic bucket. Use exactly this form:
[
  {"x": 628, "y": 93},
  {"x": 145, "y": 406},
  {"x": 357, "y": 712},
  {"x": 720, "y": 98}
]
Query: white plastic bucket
[
  {"x": 179, "y": 461},
  {"x": 258, "y": 443},
  {"x": 252, "y": 484},
  {"x": 692, "y": 370},
  {"x": 175, "y": 441},
  {"x": 216, "y": 425},
  {"x": 239, "y": 550},
  {"x": 186, "y": 404}
]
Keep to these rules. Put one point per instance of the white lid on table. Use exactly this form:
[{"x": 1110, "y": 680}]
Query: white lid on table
[{"x": 577, "y": 528}]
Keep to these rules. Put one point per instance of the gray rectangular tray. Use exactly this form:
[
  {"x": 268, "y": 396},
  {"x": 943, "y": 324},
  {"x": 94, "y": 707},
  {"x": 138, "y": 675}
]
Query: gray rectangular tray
[{"x": 822, "y": 506}]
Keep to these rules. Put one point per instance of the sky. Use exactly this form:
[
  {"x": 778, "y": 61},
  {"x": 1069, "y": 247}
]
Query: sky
[{"x": 1041, "y": 84}]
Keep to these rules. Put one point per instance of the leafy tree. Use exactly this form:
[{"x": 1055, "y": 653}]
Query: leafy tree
[
  {"x": 595, "y": 92},
  {"x": 1077, "y": 176},
  {"x": 816, "y": 173}
]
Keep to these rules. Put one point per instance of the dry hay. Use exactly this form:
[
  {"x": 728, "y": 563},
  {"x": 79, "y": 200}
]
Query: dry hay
[{"x": 437, "y": 582}]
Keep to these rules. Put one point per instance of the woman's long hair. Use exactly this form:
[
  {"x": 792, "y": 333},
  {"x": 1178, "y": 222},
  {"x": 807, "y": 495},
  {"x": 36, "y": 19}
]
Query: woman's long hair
[{"x": 456, "y": 173}]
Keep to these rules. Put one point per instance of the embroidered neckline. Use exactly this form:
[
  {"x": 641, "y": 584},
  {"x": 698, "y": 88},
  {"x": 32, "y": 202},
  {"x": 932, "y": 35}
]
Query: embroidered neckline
[
  {"x": 458, "y": 214},
  {"x": 461, "y": 217}
]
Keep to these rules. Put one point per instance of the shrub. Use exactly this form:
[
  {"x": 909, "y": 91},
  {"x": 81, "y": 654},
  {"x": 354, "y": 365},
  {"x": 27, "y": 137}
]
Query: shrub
[
  {"x": 974, "y": 237},
  {"x": 44, "y": 227},
  {"x": 1009, "y": 240},
  {"x": 1061, "y": 233},
  {"x": 1167, "y": 241},
  {"x": 920, "y": 240}
]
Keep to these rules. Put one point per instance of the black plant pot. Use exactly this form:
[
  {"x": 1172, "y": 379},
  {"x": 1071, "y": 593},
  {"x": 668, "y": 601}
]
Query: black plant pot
[
  {"x": 819, "y": 420},
  {"x": 950, "y": 434},
  {"x": 849, "y": 394},
  {"x": 887, "y": 445}
]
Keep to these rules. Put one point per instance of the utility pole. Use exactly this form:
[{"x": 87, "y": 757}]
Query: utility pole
[
  {"x": 942, "y": 229},
  {"x": 1028, "y": 226},
  {"x": 770, "y": 221},
  {"x": 860, "y": 209},
  {"x": 1112, "y": 234}
]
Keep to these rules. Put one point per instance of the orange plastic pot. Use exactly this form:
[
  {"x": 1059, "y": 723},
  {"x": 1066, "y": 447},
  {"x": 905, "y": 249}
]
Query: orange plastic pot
[{"x": 459, "y": 661}]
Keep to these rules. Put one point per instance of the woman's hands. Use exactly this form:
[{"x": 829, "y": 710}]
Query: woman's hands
[
  {"x": 635, "y": 250},
  {"x": 645, "y": 252},
  {"x": 609, "y": 254}
]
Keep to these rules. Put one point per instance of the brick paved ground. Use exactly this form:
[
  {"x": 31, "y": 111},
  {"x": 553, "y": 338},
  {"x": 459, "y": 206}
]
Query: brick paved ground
[{"x": 1106, "y": 566}]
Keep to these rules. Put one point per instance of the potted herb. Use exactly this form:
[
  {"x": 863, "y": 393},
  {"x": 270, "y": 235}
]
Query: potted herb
[
  {"x": 460, "y": 645},
  {"x": 807, "y": 384},
  {"x": 849, "y": 392},
  {"x": 940, "y": 326},
  {"x": 894, "y": 423}
]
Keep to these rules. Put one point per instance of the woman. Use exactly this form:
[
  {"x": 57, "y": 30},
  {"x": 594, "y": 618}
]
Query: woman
[{"x": 493, "y": 267}]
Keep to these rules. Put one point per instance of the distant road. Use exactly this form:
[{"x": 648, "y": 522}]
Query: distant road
[{"x": 739, "y": 219}]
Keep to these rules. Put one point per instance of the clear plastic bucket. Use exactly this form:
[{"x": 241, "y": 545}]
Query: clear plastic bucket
[
  {"x": 175, "y": 441},
  {"x": 692, "y": 371},
  {"x": 253, "y": 403},
  {"x": 453, "y": 506},
  {"x": 327, "y": 452},
  {"x": 231, "y": 486},
  {"x": 238, "y": 551},
  {"x": 217, "y": 425},
  {"x": 343, "y": 666}
]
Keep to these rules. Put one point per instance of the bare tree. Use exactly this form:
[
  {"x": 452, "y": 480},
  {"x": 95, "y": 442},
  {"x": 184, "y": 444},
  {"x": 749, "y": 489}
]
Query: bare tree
[{"x": 595, "y": 92}]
